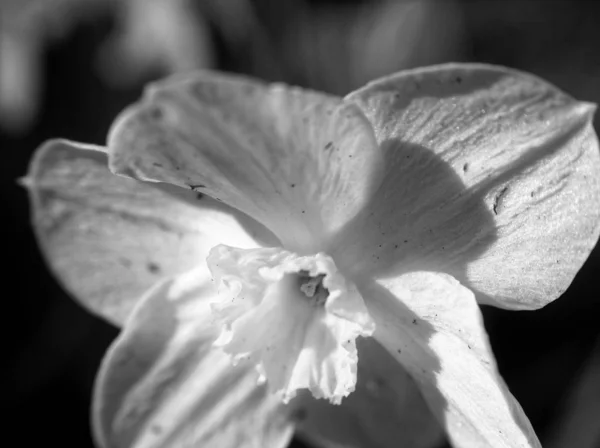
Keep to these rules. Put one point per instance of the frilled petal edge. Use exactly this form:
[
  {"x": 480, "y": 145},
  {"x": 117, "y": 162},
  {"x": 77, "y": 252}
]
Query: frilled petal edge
[{"x": 386, "y": 410}]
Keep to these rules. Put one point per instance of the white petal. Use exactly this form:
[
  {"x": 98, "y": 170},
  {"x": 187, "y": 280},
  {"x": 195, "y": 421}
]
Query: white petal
[
  {"x": 109, "y": 238},
  {"x": 301, "y": 163},
  {"x": 432, "y": 326},
  {"x": 385, "y": 411},
  {"x": 492, "y": 176},
  {"x": 162, "y": 384}
]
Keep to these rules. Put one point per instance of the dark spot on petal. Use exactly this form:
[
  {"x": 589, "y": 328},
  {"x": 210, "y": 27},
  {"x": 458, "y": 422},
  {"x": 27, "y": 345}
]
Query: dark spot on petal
[
  {"x": 157, "y": 164},
  {"x": 399, "y": 351},
  {"x": 395, "y": 246},
  {"x": 458, "y": 79},
  {"x": 498, "y": 200},
  {"x": 329, "y": 145},
  {"x": 303, "y": 211},
  {"x": 292, "y": 185},
  {"x": 465, "y": 167},
  {"x": 414, "y": 321},
  {"x": 199, "y": 196},
  {"x": 153, "y": 268},
  {"x": 406, "y": 241}
]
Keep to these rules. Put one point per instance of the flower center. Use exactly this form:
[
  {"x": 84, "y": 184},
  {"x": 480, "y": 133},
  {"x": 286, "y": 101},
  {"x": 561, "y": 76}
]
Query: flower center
[
  {"x": 313, "y": 287},
  {"x": 295, "y": 317}
]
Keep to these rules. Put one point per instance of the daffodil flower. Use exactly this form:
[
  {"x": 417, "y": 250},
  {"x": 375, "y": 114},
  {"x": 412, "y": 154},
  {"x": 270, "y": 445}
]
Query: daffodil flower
[{"x": 283, "y": 260}]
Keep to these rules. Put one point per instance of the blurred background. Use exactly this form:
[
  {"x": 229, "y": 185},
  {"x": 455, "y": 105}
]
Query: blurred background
[{"x": 67, "y": 67}]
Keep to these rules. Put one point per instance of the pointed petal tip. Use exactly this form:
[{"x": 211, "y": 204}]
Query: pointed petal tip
[
  {"x": 47, "y": 154},
  {"x": 49, "y": 148},
  {"x": 592, "y": 107},
  {"x": 586, "y": 108},
  {"x": 25, "y": 182}
]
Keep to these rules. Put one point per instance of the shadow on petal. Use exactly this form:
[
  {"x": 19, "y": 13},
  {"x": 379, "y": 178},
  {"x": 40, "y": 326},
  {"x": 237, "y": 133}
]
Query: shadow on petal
[
  {"x": 445, "y": 350},
  {"x": 422, "y": 218},
  {"x": 524, "y": 212},
  {"x": 385, "y": 411},
  {"x": 162, "y": 383}
]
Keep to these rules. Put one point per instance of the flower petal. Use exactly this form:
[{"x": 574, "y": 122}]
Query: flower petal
[
  {"x": 492, "y": 176},
  {"x": 299, "y": 162},
  {"x": 432, "y": 326},
  {"x": 162, "y": 384},
  {"x": 109, "y": 238},
  {"x": 385, "y": 411}
]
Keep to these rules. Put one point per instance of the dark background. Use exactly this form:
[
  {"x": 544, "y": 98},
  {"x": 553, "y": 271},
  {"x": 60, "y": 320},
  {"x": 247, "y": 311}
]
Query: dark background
[{"x": 52, "y": 347}]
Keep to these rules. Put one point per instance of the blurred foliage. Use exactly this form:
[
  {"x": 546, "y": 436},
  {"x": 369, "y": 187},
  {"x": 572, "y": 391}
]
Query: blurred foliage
[
  {"x": 327, "y": 46},
  {"x": 67, "y": 67}
]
